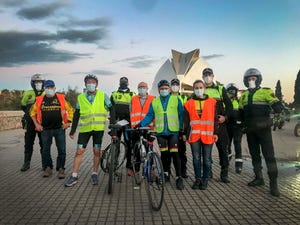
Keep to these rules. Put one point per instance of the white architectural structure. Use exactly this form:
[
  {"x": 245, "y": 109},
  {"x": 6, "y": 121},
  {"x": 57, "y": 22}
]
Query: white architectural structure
[{"x": 187, "y": 67}]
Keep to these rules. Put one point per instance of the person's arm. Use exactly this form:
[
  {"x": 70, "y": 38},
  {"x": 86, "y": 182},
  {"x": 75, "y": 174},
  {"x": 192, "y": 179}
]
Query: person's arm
[
  {"x": 70, "y": 114},
  {"x": 33, "y": 114},
  {"x": 180, "y": 114},
  {"x": 148, "y": 118},
  {"x": 109, "y": 106},
  {"x": 75, "y": 121},
  {"x": 228, "y": 104}
]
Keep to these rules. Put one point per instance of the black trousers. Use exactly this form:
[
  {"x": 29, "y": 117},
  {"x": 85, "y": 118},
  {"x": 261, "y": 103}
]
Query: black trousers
[
  {"x": 128, "y": 144},
  {"x": 260, "y": 140},
  {"x": 235, "y": 134},
  {"x": 222, "y": 146},
  {"x": 182, "y": 154},
  {"x": 29, "y": 139}
]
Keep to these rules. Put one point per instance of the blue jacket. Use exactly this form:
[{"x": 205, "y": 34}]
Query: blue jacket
[{"x": 151, "y": 116}]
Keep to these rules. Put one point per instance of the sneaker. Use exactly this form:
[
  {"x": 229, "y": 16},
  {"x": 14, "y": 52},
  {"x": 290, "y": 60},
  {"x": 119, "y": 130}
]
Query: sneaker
[
  {"x": 61, "y": 173},
  {"x": 47, "y": 172},
  {"x": 25, "y": 167},
  {"x": 94, "y": 179},
  {"x": 167, "y": 177},
  {"x": 184, "y": 175},
  {"x": 179, "y": 183},
  {"x": 130, "y": 173},
  {"x": 196, "y": 184},
  {"x": 71, "y": 181}
]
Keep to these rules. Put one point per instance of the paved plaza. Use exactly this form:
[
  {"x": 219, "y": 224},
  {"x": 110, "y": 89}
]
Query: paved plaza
[{"x": 28, "y": 198}]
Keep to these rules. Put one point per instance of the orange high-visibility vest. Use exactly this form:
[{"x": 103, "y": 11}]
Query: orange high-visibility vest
[
  {"x": 138, "y": 112},
  {"x": 201, "y": 128},
  {"x": 62, "y": 102}
]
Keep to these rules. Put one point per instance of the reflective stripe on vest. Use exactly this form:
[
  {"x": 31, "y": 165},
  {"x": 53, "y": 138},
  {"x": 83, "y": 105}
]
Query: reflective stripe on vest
[
  {"x": 62, "y": 102},
  {"x": 122, "y": 98},
  {"x": 171, "y": 114},
  {"x": 201, "y": 128},
  {"x": 92, "y": 116},
  {"x": 138, "y": 112}
]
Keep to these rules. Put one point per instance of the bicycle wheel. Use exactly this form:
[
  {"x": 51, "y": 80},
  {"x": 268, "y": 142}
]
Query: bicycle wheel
[
  {"x": 121, "y": 157},
  {"x": 137, "y": 163},
  {"x": 154, "y": 181},
  {"x": 297, "y": 130},
  {"x": 111, "y": 166}
]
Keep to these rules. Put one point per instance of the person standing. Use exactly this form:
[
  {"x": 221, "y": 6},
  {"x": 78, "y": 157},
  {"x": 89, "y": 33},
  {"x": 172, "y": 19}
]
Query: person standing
[
  {"x": 200, "y": 128},
  {"x": 140, "y": 105},
  {"x": 121, "y": 100},
  {"x": 224, "y": 106},
  {"x": 28, "y": 99},
  {"x": 256, "y": 104},
  {"x": 175, "y": 87},
  {"x": 167, "y": 110},
  {"x": 234, "y": 128},
  {"x": 52, "y": 115},
  {"x": 91, "y": 111}
]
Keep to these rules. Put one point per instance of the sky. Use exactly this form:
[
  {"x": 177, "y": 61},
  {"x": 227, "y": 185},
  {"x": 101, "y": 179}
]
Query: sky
[{"x": 66, "y": 39}]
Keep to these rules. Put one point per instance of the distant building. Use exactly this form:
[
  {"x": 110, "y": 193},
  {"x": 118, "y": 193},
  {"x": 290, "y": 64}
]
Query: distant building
[{"x": 187, "y": 67}]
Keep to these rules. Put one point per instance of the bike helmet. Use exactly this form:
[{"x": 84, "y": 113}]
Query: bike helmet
[
  {"x": 252, "y": 72},
  {"x": 207, "y": 71},
  {"x": 90, "y": 76},
  {"x": 163, "y": 83},
  {"x": 232, "y": 89},
  {"x": 175, "y": 81},
  {"x": 36, "y": 77}
]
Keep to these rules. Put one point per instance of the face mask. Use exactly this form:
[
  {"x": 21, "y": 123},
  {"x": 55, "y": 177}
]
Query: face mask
[
  {"x": 123, "y": 85},
  {"x": 142, "y": 91},
  {"x": 91, "y": 87},
  {"x": 164, "y": 92},
  {"x": 199, "y": 92},
  {"x": 175, "y": 88},
  {"x": 49, "y": 92},
  {"x": 208, "y": 79},
  {"x": 252, "y": 84},
  {"x": 38, "y": 86}
]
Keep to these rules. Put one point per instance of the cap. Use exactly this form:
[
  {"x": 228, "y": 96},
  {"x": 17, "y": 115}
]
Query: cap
[
  {"x": 163, "y": 83},
  {"x": 175, "y": 81},
  {"x": 207, "y": 71},
  {"x": 49, "y": 83},
  {"x": 124, "y": 79}
]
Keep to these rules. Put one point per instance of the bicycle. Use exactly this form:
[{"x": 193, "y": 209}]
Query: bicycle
[
  {"x": 147, "y": 166},
  {"x": 113, "y": 157},
  {"x": 297, "y": 128}
]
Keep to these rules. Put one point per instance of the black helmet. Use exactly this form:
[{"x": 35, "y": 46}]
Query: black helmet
[
  {"x": 90, "y": 76},
  {"x": 175, "y": 81},
  {"x": 252, "y": 72},
  {"x": 36, "y": 77},
  {"x": 163, "y": 83},
  {"x": 232, "y": 89},
  {"x": 207, "y": 71}
]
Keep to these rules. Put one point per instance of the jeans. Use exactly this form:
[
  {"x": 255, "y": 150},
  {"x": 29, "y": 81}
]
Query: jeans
[
  {"x": 60, "y": 141},
  {"x": 201, "y": 150}
]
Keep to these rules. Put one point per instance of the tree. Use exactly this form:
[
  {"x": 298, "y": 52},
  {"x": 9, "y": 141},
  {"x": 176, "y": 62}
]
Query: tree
[
  {"x": 71, "y": 96},
  {"x": 278, "y": 92},
  {"x": 296, "y": 102}
]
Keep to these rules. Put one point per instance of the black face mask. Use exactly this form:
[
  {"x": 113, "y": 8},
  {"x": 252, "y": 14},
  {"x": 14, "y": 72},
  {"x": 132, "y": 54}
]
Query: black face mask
[{"x": 123, "y": 85}]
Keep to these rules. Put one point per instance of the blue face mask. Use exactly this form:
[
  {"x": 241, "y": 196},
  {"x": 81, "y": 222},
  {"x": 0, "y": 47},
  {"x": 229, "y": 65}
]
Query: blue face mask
[
  {"x": 91, "y": 87},
  {"x": 164, "y": 92},
  {"x": 142, "y": 91},
  {"x": 49, "y": 92}
]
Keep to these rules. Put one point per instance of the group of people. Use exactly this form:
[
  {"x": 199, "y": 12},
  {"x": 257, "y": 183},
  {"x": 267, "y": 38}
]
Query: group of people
[{"x": 211, "y": 114}]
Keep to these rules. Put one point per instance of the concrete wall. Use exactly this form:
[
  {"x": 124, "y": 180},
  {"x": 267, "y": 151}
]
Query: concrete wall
[{"x": 10, "y": 119}]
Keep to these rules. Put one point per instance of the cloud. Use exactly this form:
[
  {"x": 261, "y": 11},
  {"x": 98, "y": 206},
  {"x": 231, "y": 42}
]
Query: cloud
[
  {"x": 138, "y": 61},
  {"x": 40, "y": 11},
  {"x": 212, "y": 56},
  {"x": 83, "y": 36},
  {"x": 14, "y": 3},
  {"x": 95, "y": 22},
  {"x": 103, "y": 72},
  {"x": 19, "y": 48}
]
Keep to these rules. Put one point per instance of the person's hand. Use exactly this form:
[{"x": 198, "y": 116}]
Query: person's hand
[
  {"x": 215, "y": 138},
  {"x": 221, "y": 119},
  {"x": 66, "y": 126},
  {"x": 38, "y": 127}
]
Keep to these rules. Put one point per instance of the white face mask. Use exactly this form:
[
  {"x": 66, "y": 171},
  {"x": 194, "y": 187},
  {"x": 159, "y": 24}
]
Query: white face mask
[
  {"x": 38, "y": 86},
  {"x": 164, "y": 92},
  {"x": 175, "y": 88},
  {"x": 208, "y": 79},
  {"x": 252, "y": 84},
  {"x": 199, "y": 92},
  {"x": 49, "y": 92},
  {"x": 142, "y": 91},
  {"x": 91, "y": 87}
]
